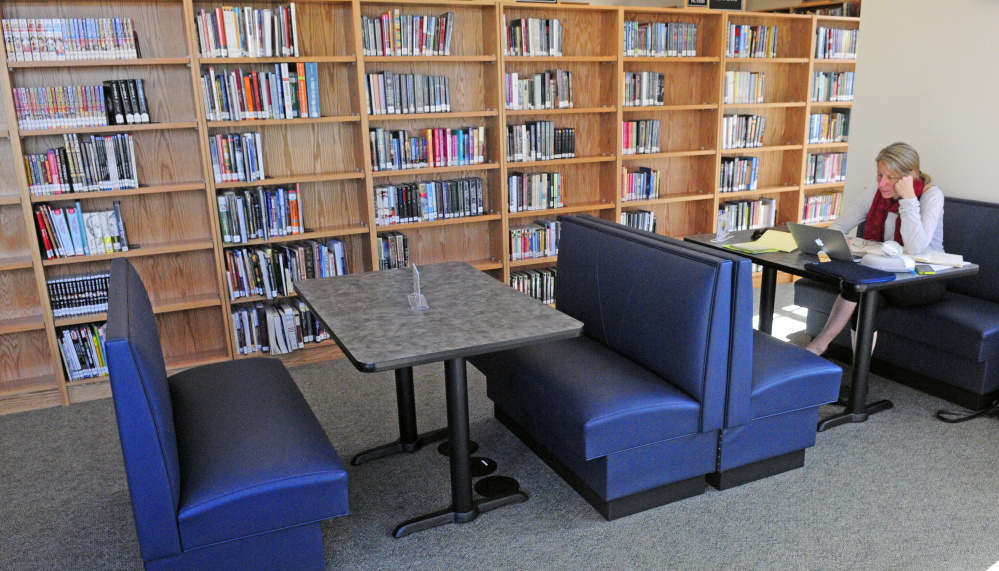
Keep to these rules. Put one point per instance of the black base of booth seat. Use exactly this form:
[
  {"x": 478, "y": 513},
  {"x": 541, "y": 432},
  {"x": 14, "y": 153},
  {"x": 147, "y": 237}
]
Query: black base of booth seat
[
  {"x": 946, "y": 391},
  {"x": 613, "y": 509},
  {"x": 757, "y": 470}
]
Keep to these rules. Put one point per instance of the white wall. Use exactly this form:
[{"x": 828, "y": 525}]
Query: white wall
[{"x": 927, "y": 74}]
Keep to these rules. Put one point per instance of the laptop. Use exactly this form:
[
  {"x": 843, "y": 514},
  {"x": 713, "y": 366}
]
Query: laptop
[{"x": 811, "y": 239}]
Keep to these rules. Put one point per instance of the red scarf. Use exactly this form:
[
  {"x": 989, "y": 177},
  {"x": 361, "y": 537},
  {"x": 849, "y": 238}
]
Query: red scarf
[{"x": 874, "y": 227}]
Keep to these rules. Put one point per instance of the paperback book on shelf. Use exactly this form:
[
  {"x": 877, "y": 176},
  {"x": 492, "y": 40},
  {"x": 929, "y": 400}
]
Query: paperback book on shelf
[
  {"x": 834, "y": 43},
  {"x": 397, "y": 34},
  {"x": 745, "y": 41},
  {"x": 825, "y": 168},
  {"x": 237, "y": 157},
  {"x": 642, "y": 184},
  {"x": 428, "y": 201},
  {"x": 432, "y": 148},
  {"x": 538, "y": 240},
  {"x": 539, "y": 283},
  {"x": 259, "y": 214},
  {"x": 738, "y": 174},
  {"x": 62, "y": 39},
  {"x": 290, "y": 91},
  {"x": 68, "y": 231},
  {"x": 743, "y": 131},
  {"x": 78, "y": 295},
  {"x": 550, "y": 89},
  {"x": 751, "y": 214},
  {"x": 832, "y": 86},
  {"x": 644, "y": 89},
  {"x": 535, "y": 191},
  {"x": 532, "y": 37},
  {"x": 828, "y": 128},
  {"x": 821, "y": 207},
  {"x": 82, "y": 350},
  {"x": 275, "y": 328},
  {"x": 539, "y": 141},
  {"x": 640, "y": 219},
  {"x": 660, "y": 39},
  {"x": 271, "y": 271},
  {"x": 390, "y": 93},
  {"x": 84, "y": 164},
  {"x": 234, "y": 32},
  {"x": 115, "y": 102}
]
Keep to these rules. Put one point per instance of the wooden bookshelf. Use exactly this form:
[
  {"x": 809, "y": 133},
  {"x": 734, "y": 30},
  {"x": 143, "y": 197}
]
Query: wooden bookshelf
[{"x": 173, "y": 216}]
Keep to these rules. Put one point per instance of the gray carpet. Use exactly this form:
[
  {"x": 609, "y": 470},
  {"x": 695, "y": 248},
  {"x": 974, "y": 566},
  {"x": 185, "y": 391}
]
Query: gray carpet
[{"x": 901, "y": 491}]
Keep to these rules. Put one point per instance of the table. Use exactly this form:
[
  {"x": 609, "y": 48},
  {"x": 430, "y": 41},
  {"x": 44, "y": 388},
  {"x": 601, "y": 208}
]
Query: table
[
  {"x": 857, "y": 408},
  {"x": 471, "y": 313}
]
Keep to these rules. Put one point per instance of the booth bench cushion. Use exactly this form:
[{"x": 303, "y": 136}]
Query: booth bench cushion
[
  {"x": 265, "y": 465},
  {"x": 787, "y": 379},
  {"x": 970, "y": 325}
]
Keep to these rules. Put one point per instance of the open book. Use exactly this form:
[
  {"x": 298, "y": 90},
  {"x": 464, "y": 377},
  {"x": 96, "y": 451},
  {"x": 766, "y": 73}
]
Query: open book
[{"x": 861, "y": 246}]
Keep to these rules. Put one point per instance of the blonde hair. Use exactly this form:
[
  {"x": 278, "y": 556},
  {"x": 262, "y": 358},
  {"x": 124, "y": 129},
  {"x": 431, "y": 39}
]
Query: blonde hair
[{"x": 902, "y": 159}]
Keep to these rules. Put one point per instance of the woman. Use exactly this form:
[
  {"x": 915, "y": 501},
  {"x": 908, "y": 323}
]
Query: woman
[{"x": 904, "y": 207}]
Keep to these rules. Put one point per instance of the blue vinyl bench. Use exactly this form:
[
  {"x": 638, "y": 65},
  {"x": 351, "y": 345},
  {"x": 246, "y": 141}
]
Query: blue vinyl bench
[
  {"x": 949, "y": 349},
  {"x": 635, "y": 413},
  {"x": 227, "y": 466}
]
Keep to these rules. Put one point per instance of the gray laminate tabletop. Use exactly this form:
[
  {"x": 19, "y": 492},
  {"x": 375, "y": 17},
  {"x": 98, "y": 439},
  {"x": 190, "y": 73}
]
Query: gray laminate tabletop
[{"x": 470, "y": 313}]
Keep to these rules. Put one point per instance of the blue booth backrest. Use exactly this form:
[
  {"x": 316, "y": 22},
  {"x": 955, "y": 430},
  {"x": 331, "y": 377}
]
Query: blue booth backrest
[
  {"x": 971, "y": 228},
  {"x": 144, "y": 412},
  {"x": 666, "y": 309},
  {"x": 740, "y": 384}
]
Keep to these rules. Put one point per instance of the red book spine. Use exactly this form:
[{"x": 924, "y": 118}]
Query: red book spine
[{"x": 45, "y": 235}]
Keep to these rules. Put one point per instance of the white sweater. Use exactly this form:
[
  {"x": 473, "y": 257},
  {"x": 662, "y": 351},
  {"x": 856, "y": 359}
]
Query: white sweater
[{"x": 922, "y": 219}]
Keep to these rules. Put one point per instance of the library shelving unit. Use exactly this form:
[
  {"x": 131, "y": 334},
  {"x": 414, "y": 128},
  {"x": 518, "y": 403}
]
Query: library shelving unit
[
  {"x": 472, "y": 71},
  {"x": 826, "y": 65},
  {"x": 173, "y": 222},
  {"x": 690, "y": 116},
  {"x": 168, "y": 218}
]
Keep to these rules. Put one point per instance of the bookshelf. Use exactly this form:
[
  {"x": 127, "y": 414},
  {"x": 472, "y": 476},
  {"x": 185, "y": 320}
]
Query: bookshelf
[{"x": 173, "y": 215}]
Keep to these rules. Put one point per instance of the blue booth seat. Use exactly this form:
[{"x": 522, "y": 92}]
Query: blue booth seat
[{"x": 227, "y": 466}]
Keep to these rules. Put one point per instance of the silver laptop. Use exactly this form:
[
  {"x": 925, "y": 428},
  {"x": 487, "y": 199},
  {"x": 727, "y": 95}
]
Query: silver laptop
[{"x": 812, "y": 239}]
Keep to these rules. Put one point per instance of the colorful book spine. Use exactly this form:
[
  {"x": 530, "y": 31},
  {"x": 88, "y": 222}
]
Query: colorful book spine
[{"x": 62, "y": 39}]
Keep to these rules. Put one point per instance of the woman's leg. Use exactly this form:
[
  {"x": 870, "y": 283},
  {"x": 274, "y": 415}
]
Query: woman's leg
[{"x": 839, "y": 316}]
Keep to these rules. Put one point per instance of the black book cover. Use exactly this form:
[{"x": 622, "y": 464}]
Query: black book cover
[
  {"x": 121, "y": 89},
  {"x": 139, "y": 106},
  {"x": 63, "y": 162}
]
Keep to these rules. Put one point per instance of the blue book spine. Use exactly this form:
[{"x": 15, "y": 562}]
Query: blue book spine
[{"x": 312, "y": 87}]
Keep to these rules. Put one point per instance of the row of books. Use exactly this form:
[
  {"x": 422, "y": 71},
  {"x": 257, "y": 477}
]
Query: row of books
[
  {"x": 738, "y": 174},
  {"x": 642, "y": 184},
  {"x": 821, "y": 207},
  {"x": 538, "y": 240},
  {"x": 539, "y": 283},
  {"x": 428, "y": 201},
  {"x": 82, "y": 350},
  {"x": 539, "y": 141},
  {"x": 535, "y": 191},
  {"x": 397, "y": 34},
  {"x": 551, "y": 89},
  {"x": 67, "y": 232},
  {"x": 391, "y": 93},
  {"x": 434, "y": 148},
  {"x": 835, "y": 43},
  {"x": 533, "y": 37},
  {"x": 660, "y": 39},
  {"x": 832, "y": 86},
  {"x": 95, "y": 163},
  {"x": 848, "y": 9},
  {"x": 78, "y": 295},
  {"x": 640, "y": 219},
  {"x": 825, "y": 168},
  {"x": 275, "y": 329},
  {"x": 393, "y": 250},
  {"x": 745, "y": 41},
  {"x": 260, "y": 214},
  {"x": 828, "y": 128},
  {"x": 750, "y": 214},
  {"x": 644, "y": 89},
  {"x": 233, "y": 32},
  {"x": 115, "y": 102},
  {"x": 237, "y": 157},
  {"x": 640, "y": 137},
  {"x": 744, "y": 87},
  {"x": 271, "y": 271},
  {"x": 743, "y": 131},
  {"x": 291, "y": 91},
  {"x": 57, "y": 39}
]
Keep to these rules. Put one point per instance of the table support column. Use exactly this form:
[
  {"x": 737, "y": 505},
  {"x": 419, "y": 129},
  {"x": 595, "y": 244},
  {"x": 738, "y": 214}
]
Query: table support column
[
  {"x": 409, "y": 440},
  {"x": 463, "y": 509},
  {"x": 768, "y": 290},
  {"x": 858, "y": 410}
]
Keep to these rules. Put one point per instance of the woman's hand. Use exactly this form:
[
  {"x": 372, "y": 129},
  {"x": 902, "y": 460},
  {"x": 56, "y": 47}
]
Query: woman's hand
[{"x": 904, "y": 187}]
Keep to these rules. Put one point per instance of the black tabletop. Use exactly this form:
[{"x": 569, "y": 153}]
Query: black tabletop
[
  {"x": 794, "y": 263},
  {"x": 470, "y": 313}
]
